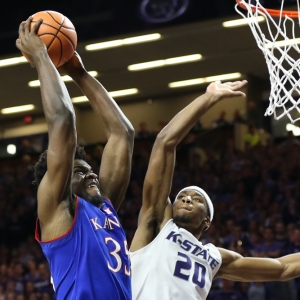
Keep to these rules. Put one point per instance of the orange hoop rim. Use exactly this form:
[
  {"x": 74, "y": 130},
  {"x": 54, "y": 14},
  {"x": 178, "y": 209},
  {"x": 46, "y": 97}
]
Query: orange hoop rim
[{"x": 272, "y": 12}]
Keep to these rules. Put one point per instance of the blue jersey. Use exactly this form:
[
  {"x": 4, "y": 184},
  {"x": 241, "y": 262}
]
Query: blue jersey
[{"x": 91, "y": 260}]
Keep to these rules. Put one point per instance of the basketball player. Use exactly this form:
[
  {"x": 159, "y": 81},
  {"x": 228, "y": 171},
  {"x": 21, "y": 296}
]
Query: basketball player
[
  {"x": 167, "y": 259},
  {"x": 78, "y": 227}
]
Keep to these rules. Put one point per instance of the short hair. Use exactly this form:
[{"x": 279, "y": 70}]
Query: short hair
[{"x": 40, "y": 167}]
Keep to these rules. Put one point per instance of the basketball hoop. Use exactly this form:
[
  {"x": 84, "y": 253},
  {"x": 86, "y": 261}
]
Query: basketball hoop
[
  {"x": 272, "y": 12},
  {"x": 277, "y": 45}
]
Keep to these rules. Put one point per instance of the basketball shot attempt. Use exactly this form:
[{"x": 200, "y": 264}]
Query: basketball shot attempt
[
  {"x": 78, "y": 227},
  {"x": 58, "y": 34},
  {"x": 280, "y": 46}
]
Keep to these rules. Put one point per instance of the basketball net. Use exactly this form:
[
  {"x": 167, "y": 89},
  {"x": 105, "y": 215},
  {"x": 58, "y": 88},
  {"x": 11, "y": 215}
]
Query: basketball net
[{"x": 284, "y": 70}]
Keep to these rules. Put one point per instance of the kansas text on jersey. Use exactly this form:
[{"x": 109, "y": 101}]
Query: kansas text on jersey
[{"x": 91, "y": 260}]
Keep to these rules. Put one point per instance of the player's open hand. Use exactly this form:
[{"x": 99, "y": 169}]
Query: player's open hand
[
  {"x": 227, "y": 89},
  {"x": 28, "y": 42}
]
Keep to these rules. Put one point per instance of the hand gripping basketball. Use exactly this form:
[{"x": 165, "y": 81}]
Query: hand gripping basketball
[{"x": 58, "y": 34}]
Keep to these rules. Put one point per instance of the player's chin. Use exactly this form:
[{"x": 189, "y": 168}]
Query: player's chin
[
  {"x": 182, "y": 218},
  {"x": 97, "y": 200},
  {"x": 92, "y": 192}
]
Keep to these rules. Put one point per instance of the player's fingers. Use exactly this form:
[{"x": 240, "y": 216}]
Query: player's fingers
[
  {"x": 235, "y": 84},
  {"x": 18, "y": 43},
  {"x": 238, "y": 84},
  {"x": 27, "y": 25},
  {"x": 239, "y": 94},
  {"x": 232, "y": 83},
  {"x": 21, "y": 28},
  {"x": 37, "y": 24}
]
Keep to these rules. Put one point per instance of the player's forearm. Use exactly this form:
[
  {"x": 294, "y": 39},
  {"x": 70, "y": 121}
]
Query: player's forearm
[
  {"x": 112, "y": 117},
  {"x": 184, "y": 121},
  {"x": 246, "y": 269},
  {"x": 159, "y": 176},
  {"x": 55, "y": 97}
]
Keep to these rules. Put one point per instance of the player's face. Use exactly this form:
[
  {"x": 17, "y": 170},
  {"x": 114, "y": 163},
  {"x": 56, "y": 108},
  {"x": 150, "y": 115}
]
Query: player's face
[
  {"x": 85, "y": 183},
  {"x": 190, "y": 211}
]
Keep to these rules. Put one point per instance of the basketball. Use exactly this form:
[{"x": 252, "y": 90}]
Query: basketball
[{"x": 59, "y": 35}]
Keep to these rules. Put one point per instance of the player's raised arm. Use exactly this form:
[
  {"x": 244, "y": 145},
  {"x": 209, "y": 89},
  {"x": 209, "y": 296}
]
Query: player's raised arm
[
  {"x": 246, "y": 269},
  {"x": 54, "y": 187},
  {"x": 156, "y": 209},
  {"x": 116, "y": 159}
]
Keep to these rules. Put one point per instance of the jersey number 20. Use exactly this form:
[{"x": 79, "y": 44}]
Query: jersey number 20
[{"x": 186, "y": 267}]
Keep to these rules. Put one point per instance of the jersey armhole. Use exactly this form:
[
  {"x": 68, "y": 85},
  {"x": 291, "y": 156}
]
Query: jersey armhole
[
  {"x": 38, "y": 228},
  {"x": 160, "y": 233}
]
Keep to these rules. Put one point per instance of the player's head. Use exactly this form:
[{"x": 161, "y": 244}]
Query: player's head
[
  {"x": 84, "y": 182},
  {"x": 193, "y": 209}
]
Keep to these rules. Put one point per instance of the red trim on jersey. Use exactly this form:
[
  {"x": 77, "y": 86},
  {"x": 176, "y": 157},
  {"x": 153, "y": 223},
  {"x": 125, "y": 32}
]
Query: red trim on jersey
[
  {"x": 108, "y": 201},
  {"x": 37, "y": 227}
]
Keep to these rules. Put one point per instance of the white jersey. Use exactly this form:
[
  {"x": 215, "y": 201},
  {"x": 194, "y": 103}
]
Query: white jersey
[{"x": 175, "y": 265}]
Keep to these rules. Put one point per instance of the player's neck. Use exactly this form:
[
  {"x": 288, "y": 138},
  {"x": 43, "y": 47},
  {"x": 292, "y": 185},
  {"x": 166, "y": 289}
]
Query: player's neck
[{"x": 196, "y": 232}]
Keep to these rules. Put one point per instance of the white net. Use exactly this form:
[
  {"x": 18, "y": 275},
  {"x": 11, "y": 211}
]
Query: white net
[{"x": 280, "y": 48}]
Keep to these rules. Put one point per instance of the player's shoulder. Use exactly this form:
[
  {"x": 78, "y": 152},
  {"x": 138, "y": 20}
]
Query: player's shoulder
[{"x": 210, "y": 246}]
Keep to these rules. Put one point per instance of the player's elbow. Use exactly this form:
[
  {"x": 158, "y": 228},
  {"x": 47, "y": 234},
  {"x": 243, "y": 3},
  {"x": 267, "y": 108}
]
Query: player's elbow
[
  {"x": 125, "y": 135},
  {"x": 64, "y": 127},
  {"x": 165, "y": 140},
  {"x": 63, "y": 115},
  {"x": 124, "y": 132},
  {"x": 285, "y": 272}
]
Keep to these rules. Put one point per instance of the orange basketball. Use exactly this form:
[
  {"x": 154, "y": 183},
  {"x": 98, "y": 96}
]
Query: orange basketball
[{"x": 59, "y": 35}]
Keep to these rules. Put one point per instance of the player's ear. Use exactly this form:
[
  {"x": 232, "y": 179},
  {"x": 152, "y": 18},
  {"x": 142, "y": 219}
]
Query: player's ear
[{"x": 207, "y": 223}]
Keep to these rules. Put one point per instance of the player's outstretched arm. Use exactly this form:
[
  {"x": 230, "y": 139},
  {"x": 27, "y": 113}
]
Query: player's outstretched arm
[
  {"x": 55, "y": 185},
  {"x": 156, "y": 208},
  {"x": 237, "y": 268},
  {"x": 116, "y": 159}
]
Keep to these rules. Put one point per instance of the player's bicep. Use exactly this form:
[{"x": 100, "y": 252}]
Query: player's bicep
[
  {"x": 158, "y": 179},
  {"x": 149, "y": 227},
  {"x": 62, "y": 143},
  {"x": 238, "y": 268},
  {"x": 55, "y": 184},
  {"x": 47, "y": 203},
  {"x": 156, "y": 207},
  {"x": 145, "y": 232},
  {"x": 116, "y": 167}
]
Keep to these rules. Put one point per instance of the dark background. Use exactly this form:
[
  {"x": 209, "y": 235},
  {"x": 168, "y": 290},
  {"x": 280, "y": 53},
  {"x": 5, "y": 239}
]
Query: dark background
[{"x": 105, "y": 18}]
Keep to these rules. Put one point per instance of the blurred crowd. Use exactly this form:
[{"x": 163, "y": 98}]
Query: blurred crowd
[{"x": 256, "y": 195}]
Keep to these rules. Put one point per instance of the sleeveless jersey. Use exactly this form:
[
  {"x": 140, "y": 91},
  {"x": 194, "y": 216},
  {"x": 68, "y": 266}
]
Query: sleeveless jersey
[
  {"x": 175, "y": 265},
  {"x": 91, "y": 260}
]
